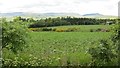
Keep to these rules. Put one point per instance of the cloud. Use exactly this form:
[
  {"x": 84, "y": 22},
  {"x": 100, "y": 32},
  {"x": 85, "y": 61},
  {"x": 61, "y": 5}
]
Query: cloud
[
  {"x": 108, "y": 7},
  {"x": 1, "y": 4}
]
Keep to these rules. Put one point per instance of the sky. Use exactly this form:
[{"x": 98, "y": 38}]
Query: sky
[{"x": 106, "y": 7}]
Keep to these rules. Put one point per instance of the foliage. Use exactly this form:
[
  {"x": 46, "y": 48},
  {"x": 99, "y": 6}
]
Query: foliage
[
  {"x": 65, "y": 29},
  {"x": 106, "y": 52},
  {"x": 48, "y": 22},
  {"x": 16, "y": 19},
  {"x": 103, "y": 54},
  {"x": 46, "y": 29},
  {"x": 35, "y": 29},
  {"x": 14, "y": 35},
  {"x": 116, "y": 38},
  {"x": 116, "y": 35}
]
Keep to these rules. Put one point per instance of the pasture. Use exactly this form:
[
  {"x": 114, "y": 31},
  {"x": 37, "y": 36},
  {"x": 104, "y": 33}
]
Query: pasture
[
  {"x": 58, "y": 48},
  {"x": 76, "y": 28}
]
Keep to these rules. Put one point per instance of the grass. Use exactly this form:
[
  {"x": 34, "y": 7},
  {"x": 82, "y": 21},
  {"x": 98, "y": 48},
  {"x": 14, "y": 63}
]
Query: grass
[
  {"x": 82, "y": 28},
  {"x": 61, "y": 48}
]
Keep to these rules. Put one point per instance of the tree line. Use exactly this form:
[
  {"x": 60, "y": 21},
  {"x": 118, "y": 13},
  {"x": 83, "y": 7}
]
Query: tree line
[{"x": 61, "y": 21}]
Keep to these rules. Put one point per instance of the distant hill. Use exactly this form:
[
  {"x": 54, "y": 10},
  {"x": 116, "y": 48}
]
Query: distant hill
[
  {"x": 41, "y": 15},
  {"x": 12, "y": 14},
  {"x": 97, "y": 15},
  {"x": 93, "y": 14},
  {"x": 46, "y": 15}
]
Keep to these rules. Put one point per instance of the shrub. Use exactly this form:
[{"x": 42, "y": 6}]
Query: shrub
[
  {"x": 102, "y": 30},
  {"x": 54, "y": 29},
  {"x": 60, "y": 30},
  {"x": 46, "y": 29},
  {"x": 98, "y": 30},
  {"x": 102, "y": 54},
  {"x": 107, "y": 30},
  {"x": 14, "y": 36},
  {"x": 91, "y": 30},
  {"x": 71, "y": 29},
  {"x": 35, "y": 29},
  {"x": 65, "y": 29},
  {"x": 116, "y": 38}
]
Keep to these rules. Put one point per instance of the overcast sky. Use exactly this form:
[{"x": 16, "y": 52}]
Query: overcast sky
[{"x": 106, "y": 7}]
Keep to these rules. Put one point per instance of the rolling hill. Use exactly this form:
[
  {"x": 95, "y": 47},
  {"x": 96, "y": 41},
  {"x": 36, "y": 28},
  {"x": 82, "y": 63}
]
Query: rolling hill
[{"x": 46, "y": 15}]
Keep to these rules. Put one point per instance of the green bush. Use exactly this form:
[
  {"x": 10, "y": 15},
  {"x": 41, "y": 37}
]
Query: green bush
[
  {"x": 102, "y": 30},
  {"x": 60, "y": 30},
  {"x": 14, "y": 36},
  {"x": 91, "y": 30},
  {"x": 98, "y": 30},
  {"x": 35, "y": 29},
  {"x": 54, "y": 29},
  {"x": 103, "y": 54},
  {"x": 65, "y": 29},
  {"x": 46, "y": 29},
  {"x": 71, "y": 29},
  {"x": 116, "y": 38}
]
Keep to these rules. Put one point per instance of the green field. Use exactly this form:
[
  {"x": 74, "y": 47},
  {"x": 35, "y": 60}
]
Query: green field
[
  {"x": 75, "y": 28},
  {"x": 85, "y": 28},
  {"x": 60, "y": 48}
]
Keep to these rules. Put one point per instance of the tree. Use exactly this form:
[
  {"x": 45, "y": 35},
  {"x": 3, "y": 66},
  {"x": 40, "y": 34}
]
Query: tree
[
  {"x": 14, "y": 36},
  {"x": 17, "y": 19}
]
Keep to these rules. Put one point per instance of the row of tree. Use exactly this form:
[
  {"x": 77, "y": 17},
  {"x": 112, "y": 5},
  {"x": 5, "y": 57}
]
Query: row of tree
[{"x": 60, "y": 21}]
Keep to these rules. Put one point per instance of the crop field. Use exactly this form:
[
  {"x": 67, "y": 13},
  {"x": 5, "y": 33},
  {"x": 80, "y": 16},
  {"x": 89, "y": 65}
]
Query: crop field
[{"x": 59, "y": 48}]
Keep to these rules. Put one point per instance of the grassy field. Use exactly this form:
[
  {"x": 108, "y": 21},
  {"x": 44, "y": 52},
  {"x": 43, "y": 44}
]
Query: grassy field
[
  {"x": 85, "y": 28},
  {"x": 60, "y": 48},
  {"x": 76, "y": 28}
]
